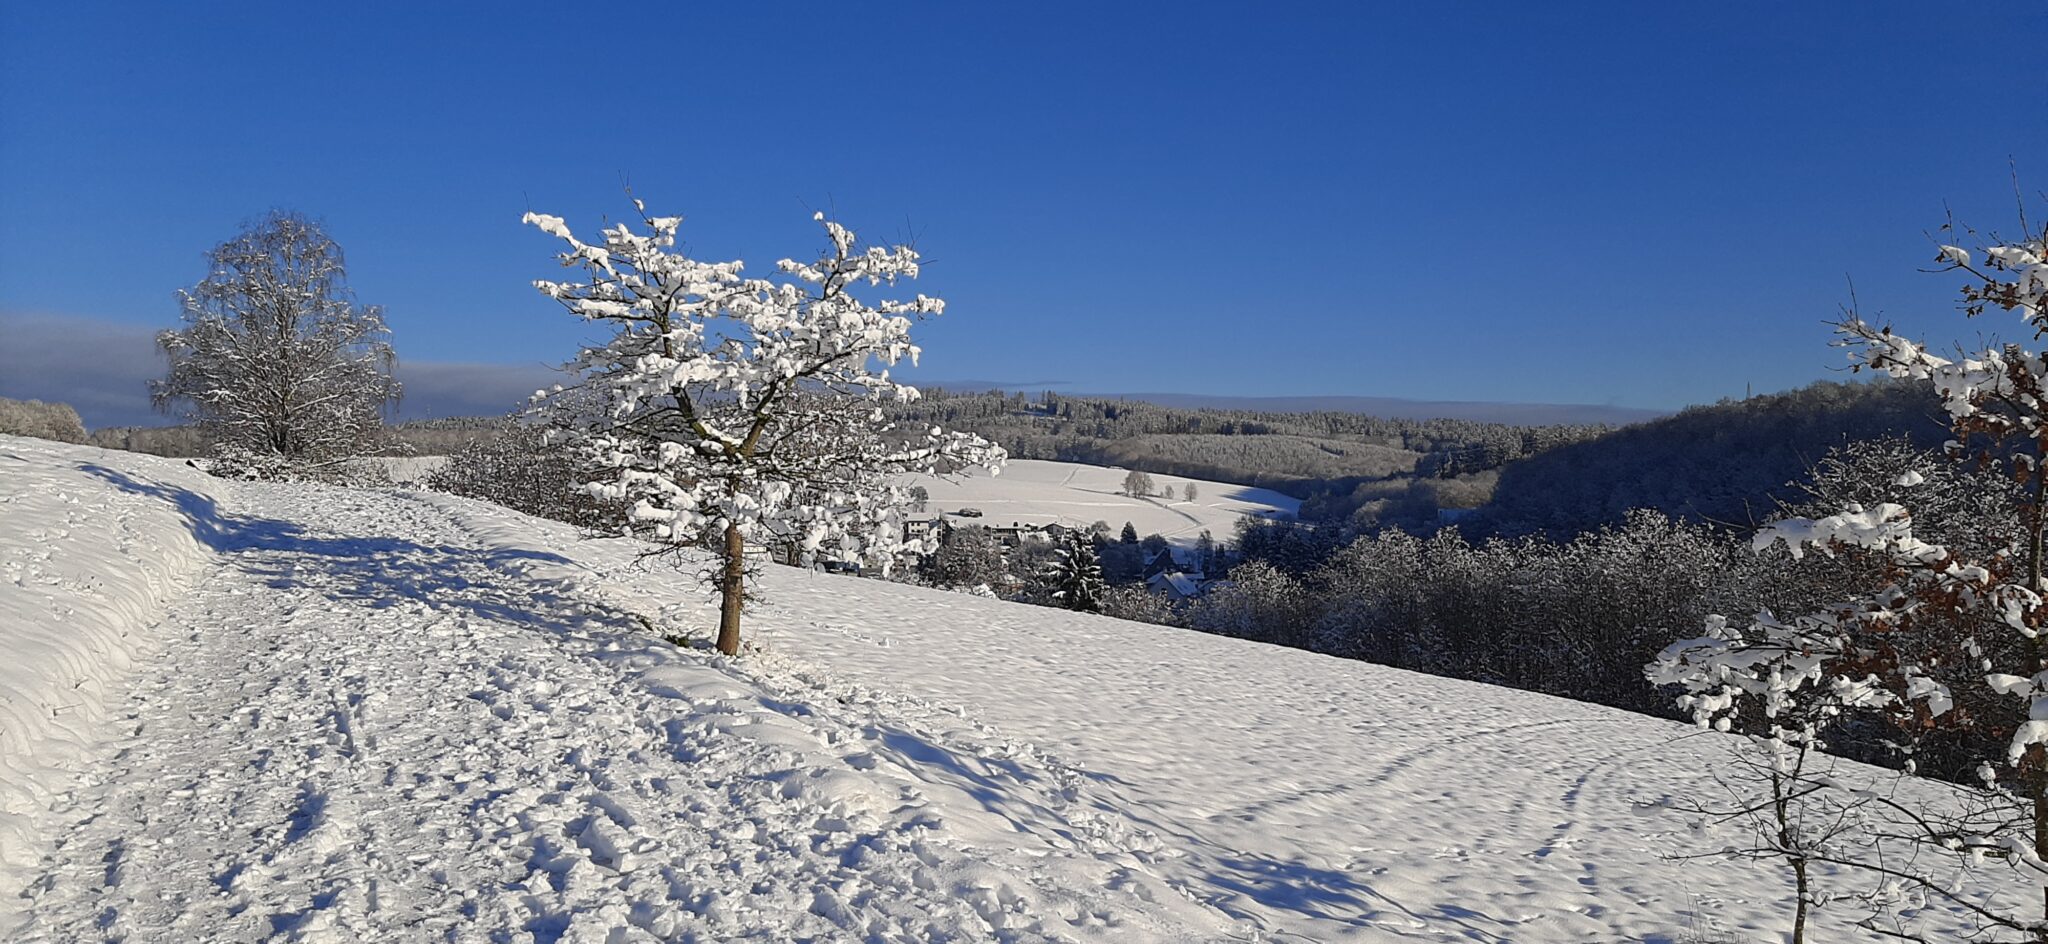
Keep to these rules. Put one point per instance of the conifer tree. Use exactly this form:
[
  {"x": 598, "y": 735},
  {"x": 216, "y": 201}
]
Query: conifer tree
[{"x": 1075, "y": 576}]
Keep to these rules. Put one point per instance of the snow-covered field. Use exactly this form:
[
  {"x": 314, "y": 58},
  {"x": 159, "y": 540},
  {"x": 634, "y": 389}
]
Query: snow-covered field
[
  {"x": 1041, "y": 492},
  {"x": 334, "y": 715},
  {"x": 410, "y": 470}
]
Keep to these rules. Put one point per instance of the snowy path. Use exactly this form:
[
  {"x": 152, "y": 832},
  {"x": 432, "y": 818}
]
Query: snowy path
[{"x": 368, "y": 726}]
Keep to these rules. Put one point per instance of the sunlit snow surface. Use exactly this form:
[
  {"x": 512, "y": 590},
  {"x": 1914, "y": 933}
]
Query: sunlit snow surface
[
  {"x": 396, "y": 716},
  {"x": 1042, "y": 492}
]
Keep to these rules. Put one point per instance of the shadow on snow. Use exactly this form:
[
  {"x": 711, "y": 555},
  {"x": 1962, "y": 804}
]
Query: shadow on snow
[{"x": 373, "y": 571}]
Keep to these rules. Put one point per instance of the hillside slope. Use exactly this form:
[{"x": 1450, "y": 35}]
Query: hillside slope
[
  {"x": 401, "y": 716},
  {"x": 1728, "y": 464},
  {"x": 1041, "y": 492}
]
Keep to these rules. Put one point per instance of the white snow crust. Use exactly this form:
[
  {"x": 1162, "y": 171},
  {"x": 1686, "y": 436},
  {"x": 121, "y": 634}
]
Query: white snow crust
[
  {"x": 399, "y": 716},
  {"x": 1042, "y": 492},
  {"x": 85, "y": 569}
]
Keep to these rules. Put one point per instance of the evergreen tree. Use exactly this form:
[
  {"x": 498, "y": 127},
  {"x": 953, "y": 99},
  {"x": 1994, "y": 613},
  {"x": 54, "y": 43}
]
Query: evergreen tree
[
  {"x": 1075, "y": 577},
  {"x": 1130, "y": 535}
]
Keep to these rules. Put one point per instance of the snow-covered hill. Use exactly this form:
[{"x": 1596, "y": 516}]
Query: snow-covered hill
[
  {"x": 400, "y": 716},
  {"x": 1041, "y": 492}
]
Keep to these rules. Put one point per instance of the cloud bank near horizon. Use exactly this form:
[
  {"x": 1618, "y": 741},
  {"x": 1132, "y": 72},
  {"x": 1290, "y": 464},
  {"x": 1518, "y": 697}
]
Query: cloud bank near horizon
[{"x": 103, "y": 369}]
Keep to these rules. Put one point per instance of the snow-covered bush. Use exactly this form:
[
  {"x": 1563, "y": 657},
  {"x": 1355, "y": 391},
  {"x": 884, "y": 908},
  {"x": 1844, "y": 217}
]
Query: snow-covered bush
[
  {"x": 54, "y": 421},
  {"x": 746, "y": 410},
  {"x": 1142, "y": 605},
  {"x": 525, "y": 469},
  {"x": 276, "y": 358},
  {"x": 1259, "y": 602}
]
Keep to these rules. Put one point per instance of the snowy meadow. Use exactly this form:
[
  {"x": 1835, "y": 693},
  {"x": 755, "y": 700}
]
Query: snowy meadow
[{"x": 311, "y": 712}]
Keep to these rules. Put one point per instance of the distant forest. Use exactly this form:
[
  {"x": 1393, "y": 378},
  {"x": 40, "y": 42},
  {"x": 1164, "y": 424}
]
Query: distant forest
[
  {"x": 1730, "y": 464},
  {"x": 1726, "y": 464},
  {"x": 1390, "y": 471}
]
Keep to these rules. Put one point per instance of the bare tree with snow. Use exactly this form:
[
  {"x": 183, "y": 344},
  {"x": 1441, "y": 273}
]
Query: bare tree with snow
[
  {"x": 1137, "y": 484},
  {"x": 1771, "y": 682},
  {"x": 745, "y": 412},
  {"x": 277, "y": 361},
  {"x": 1945, "y": 638}
]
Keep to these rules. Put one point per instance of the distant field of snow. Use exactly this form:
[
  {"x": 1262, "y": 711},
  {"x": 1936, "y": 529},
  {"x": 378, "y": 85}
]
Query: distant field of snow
[
  {"x": 410, "y": 470},
  {"x": 401, "y": 716},
  {"x": 1041, "y": 492}
]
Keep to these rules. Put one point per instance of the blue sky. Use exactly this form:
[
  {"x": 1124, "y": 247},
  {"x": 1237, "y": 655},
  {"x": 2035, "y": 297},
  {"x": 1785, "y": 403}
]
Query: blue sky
[{"x": 1638, "y": 204}]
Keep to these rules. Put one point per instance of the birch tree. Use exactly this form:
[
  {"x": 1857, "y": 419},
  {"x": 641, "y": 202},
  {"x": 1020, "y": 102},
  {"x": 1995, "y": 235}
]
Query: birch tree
[{"x": 745, "y": 412}]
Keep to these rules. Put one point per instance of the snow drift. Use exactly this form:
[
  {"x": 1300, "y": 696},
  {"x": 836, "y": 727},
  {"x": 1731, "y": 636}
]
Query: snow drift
[{"x": 90, "y": 550}]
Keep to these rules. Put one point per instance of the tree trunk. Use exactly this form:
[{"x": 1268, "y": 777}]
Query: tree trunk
[
  {"x": 1788, "y": 841},
  {"x": 2041, "y": 841},
  {"x": 2037, "y": 522},
  {"x": 1799, "y": 910},
  {"x": 732, "y": 590}
]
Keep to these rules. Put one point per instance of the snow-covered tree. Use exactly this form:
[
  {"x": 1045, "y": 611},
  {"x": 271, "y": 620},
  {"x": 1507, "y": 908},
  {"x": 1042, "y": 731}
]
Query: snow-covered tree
[
  {"x": 969, "y": 556},
  {"x": 745, "y": 411},
  {"x": 1774, "y": 683},
  {"x": 1951, "y": 637},
  {"x": 1187, "y": 492},
  {"x": 1074, "y": 576},
  {"x": 1137, "y": 484},
  {"x": 58, "y": 421},
  {"x": 276, "y": 361}
]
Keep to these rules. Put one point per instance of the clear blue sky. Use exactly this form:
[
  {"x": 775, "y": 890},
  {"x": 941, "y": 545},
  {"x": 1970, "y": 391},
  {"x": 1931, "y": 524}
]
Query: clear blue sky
[{"x": 1639, "y": 204}]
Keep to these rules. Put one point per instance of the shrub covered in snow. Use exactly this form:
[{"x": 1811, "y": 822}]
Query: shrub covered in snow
[
  {"x": 55, "y": 421},
  {"x": 526, "y": 470}
]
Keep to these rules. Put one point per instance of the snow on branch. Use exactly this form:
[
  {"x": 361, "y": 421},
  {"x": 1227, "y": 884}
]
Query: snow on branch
[{"x": 749, "y": 402}]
